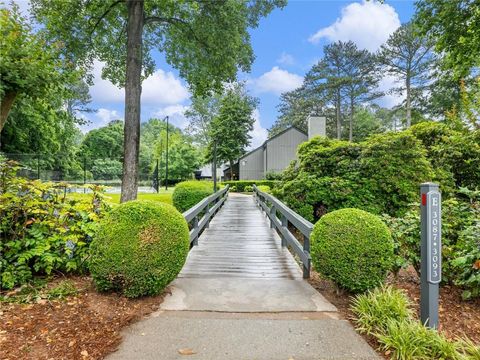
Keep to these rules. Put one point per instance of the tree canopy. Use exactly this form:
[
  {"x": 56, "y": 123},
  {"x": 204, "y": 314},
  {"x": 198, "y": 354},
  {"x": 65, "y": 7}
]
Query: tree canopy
[{"x": 206, "y": 41}]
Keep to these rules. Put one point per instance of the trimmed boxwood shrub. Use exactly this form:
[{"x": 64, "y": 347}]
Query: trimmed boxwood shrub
[
  {"x": 139, "y": 249},
  {"x": 353, "y": 248},
  {"x": 241, "y": 184},
  {"x": 189, "y": 193}
]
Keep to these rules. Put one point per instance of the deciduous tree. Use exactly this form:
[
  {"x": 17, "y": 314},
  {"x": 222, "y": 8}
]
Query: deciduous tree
[
  {"x": 207, "y": 41},
  {"x": 229, "y": 130}
]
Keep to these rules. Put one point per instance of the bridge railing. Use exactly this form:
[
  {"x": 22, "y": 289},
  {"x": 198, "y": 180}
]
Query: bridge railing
[
  {"x": 199, "y": 216},
  {"x": 280, "y": 217}
]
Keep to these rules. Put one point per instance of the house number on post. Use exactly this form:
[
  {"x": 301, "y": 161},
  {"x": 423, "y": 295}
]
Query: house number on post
[
  {"x": 431, "y": 252},
  {"x": 434, "y": 237}
]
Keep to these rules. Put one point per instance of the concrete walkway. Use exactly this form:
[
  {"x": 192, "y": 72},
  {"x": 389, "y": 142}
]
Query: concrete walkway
[{"x": 241, "y": 296}]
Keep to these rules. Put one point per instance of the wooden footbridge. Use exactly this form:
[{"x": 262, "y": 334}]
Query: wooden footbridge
[
  {"x": 241, "y": 242},
  {"x": 241, "y": 294}
]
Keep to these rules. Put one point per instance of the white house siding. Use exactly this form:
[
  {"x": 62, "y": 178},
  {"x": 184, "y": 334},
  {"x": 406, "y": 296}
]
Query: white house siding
[{"x": 282, "y": 149}]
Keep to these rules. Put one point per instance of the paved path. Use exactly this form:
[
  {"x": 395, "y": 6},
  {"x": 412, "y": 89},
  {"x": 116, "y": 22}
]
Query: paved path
[{"x": 241, "y": 296}]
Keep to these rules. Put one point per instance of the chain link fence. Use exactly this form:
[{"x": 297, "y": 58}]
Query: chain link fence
[{"x": 106, "y": 172}]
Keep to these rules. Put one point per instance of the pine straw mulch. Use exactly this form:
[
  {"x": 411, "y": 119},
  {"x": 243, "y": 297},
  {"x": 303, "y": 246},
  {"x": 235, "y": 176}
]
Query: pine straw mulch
[
  {"x": 458, "y": 318},
  {"x": 84, "y": 326}
]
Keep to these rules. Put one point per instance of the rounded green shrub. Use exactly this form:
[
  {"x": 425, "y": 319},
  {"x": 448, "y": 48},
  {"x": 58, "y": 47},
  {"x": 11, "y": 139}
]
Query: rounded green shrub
[
  {"x": 139, "y": 248},
  {"x": 248, "y": 188},
  {"x": 189, "y": 193},
  {"x": 353, "y": 248}
]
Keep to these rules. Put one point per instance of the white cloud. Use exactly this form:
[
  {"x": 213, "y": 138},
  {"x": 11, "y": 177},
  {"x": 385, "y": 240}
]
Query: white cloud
[
  {"x": 258, "y": 134},
  {"x": 176, "y": 114},
  {"x": 98, "y": 119},
  {"x": 389, "y": 100},
  {"x": 277, "y": 81},
  {"x": 161, "y": 88},
  {"x": 367, "y": 24},
  {"x": 286, "y": 59}
]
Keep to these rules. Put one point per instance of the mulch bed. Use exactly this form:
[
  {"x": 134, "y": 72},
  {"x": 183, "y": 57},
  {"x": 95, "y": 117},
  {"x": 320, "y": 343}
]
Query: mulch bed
[
  {"x": 457, "y": 318},
  {"x": 85, "y": 326}
]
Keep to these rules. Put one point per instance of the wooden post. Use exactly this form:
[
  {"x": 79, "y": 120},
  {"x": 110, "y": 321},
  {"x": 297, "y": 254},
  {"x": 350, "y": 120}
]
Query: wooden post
[
  {"x": 306, "y": 250},
  {"x": 195, "y": 227},
  {"x": 284, "y": 225},
  {"x": 272, "y": 216}
]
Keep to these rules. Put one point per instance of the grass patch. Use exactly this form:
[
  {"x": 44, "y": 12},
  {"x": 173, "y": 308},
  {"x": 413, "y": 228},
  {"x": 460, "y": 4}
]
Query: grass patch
[{"x": 164, "y": 197}]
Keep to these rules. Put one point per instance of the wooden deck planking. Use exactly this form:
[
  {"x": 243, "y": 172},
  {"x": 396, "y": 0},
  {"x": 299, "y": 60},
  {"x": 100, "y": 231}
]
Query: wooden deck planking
[{"x": 240, "y": 244}]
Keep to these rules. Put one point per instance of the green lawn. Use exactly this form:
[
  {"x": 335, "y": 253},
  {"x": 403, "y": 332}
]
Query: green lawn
[{"x": 162, "y": 196}]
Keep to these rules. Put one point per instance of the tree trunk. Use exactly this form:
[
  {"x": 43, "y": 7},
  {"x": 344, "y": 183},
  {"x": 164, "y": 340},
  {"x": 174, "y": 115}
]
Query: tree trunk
[
  {"x": 408, "y": 103},
  {"x": 352, "y": 109},
  {"x": 339, "y": 123},
  {"x": 133, "y": 91},
  {"x": 231, "y": 170},
  {"x": 5, "y": 107}
]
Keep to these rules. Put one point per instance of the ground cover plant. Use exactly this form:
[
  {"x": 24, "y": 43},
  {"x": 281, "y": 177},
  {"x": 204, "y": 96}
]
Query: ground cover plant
[{"x": 386, "y": 314}]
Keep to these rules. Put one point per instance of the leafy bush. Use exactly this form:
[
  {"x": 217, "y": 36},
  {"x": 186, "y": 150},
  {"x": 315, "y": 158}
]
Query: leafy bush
[
  {"x": 374, "y": 308},
  {"x": 466, "y": 264},
  {"x": 393, "y": 165},
  {"x": 248, "y": 188},
  {"x": 409, "y": 339},
  {"x": 139, "y": 249},
  {"x": 107, "y": 169},
  {"x": 189, "y": 193},
  {"x": 460, "y": 244},
  {"x": 353, "y": 248},
  {"x": 380, "y": 175},
  {"x": 43, "y": 230},
  {"x": 273, "y": 175},
  {"x": 386, "y": 314},
  {"x": 264, "y": 188},
  {"x": 240, "y": 184},
  {"x": 454, "y": 154},
  {"x": 312, "y": 197},
  {"x": 233, "y": 188}
]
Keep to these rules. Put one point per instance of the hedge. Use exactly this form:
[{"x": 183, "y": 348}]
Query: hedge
[
  {"x": 380, "y": 175},
  {"x": 140, "y": 247},
  {"x": 239, "y": 185},
  {"x": 189, "y": 193},
  {"x": 353, "y": 248}
]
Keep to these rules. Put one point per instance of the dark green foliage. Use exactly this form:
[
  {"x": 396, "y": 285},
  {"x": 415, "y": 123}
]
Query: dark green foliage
[
  {"x": 241, "y": 184},
  {"x": 106, "y": 169},
  {"x": 353, "y": 248},
  {"x": 380, "y": 175},
  {"x": 460, "y": 234},
  {"x": 312, "y": 197},
  {"x": 189, "y": 193},
  {"x": 454, "y": 154},
  {"x": 248, "y": 188},
  {"x": 392, "y": 166},
  {"x": 139, "y": 249},
  {"x": 43, "y": 230}
]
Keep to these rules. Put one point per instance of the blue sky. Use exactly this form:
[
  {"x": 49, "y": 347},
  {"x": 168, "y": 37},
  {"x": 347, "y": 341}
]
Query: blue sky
[{"x": 286, "y": 44}]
